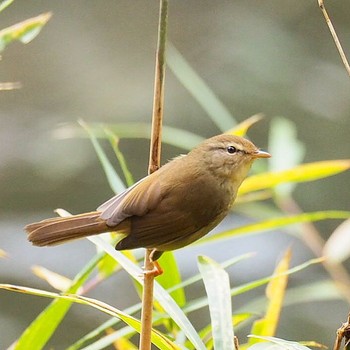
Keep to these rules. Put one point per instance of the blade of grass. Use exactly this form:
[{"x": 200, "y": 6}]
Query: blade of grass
[
  {"x": 275, "y": 292},
  {"x": 301, "y": 173},
  {"x": 271, "y": 342},
  {"x": 312, "y": 292},
  {"x": 199, "y": 303},
  {"x": 275, "y": 223},
  {"x": 41, "y": 329},
  {"x": 162, "y": 296},
  {"x": 242, "y": 128},
  {"x": 54, "y": 279},
  {"x": 113, "y": 178},
  {"x": 4, "y": 4},
  {"x": 158, "y": 338},
  {"x": 206, "y": 333},
  {"x": 114, "y": 141},
  {"x": 24, "y": 31},
  {"x": 137, "y": 307},
  {"x": 170, "y": 135},
  {"x": 217, "y": 286},
  {"x": 200, "y": 91}
]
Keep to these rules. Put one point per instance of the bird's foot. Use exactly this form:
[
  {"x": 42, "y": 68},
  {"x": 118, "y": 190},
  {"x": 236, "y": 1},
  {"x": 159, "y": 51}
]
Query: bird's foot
[{"x": 155, "y": 271}]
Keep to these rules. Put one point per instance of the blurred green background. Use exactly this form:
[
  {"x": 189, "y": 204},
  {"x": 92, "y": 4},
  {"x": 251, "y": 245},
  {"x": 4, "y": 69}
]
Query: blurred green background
[{"x": 95, "y": 61}]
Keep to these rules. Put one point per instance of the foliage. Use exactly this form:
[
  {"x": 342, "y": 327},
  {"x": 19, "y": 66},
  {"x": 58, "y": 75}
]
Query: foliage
[
  {"x": 173, "y": 328},
  {"x": 24, "y": 32}
]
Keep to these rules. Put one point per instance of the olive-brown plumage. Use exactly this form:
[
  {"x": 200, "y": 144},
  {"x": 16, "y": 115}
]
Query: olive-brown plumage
[{"x": 169, "y": 209}]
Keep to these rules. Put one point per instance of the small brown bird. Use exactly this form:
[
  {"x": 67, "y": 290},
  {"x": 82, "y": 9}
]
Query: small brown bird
[{"x": 169, "y": 209}]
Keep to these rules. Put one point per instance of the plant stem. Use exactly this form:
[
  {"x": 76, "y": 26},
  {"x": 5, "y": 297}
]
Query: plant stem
[
  {"x": 334, "y": 35},
  {"x": 154, "y": 164}
]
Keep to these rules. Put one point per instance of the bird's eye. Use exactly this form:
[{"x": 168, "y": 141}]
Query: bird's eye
[{"x": 231, "y": 149}]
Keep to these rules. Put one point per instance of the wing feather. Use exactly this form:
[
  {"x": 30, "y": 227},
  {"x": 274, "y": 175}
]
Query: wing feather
[{"x": 137, "y": 200}]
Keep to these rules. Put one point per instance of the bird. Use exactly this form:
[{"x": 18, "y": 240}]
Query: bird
[{"x": 168, "y": 209}]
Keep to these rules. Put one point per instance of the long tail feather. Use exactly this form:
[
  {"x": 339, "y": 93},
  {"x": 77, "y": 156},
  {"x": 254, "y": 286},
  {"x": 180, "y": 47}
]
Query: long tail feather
[{"x": 59, "y": 230}]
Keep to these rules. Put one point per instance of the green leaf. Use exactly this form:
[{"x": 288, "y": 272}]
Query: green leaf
[
  {"x": 137, "y": 307},
  {"x": 24, "y": 31},
  {"x": 114, "y": 141},
  {"x": 172, "y": 136},
  {"x": 191, "y": 280},
  {"x": 275, "y": 223},
  {"x": 113, "y": 178},
  {"x": 158, "y": 338},
  {"x": 5, "y": 3},
  {"x": 41, "y": 329},
  {"x": 162, "y": 296},
  {"x": 200, "y": 91},
  {"x": 287, "y": 150},
  {"x": 319, "y": 291},
  {"x": 199, "y": 303},
  {"x": 171, "y": 278},
  {"x": 273, "y": 343},
  {"x": 217, "y": 286},
  {"x": 301, "y": 173},
  {"x": 206, "y": 333}
]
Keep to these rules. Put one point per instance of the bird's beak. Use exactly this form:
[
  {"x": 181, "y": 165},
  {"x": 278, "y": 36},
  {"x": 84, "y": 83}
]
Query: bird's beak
[{"x": 261, "y": 154}]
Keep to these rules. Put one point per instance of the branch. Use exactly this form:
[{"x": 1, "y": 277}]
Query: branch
[{"x": 334, "y": 35}]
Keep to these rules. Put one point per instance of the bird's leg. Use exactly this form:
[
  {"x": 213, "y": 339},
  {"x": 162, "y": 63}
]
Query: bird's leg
[{"x": 157, "y": 269}]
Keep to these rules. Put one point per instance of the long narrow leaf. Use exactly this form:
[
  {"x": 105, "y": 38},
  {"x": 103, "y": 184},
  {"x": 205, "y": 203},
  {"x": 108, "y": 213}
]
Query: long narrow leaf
[
  {"x": 24, "y": 31},
  {"x": 217, "y": 286},
  {"x": 201, "y": 92},
  {"x": 242, "y": 128},
  {"x": 5, "y": 3},
  {"x": 275, "y": 223},
  {"x": 199, "y": 303},
  {"x": 171, "y": 278},
  {"x": 275, "y": 292},
  {"x": 114, "y": 141},
  {"x": 113, "y": 178},
  {"x": 301, "y": 173},
  {"x": 135, "y": 308},
  {"x": 163, "y": 297},
  {"x": 41, "y": 329},
  {"x": 276, "y": 344},
  {"x": 170, "y": 135},
  {"x": 157, "y": 338}
]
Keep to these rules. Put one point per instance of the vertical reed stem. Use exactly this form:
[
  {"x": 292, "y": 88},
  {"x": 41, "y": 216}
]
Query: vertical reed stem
[{"x": 154, "y": 164}]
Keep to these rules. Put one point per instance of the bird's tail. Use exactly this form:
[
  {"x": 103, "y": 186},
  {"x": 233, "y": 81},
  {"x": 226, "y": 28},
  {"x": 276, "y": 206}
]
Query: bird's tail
[{"x": 61, "y": 229}]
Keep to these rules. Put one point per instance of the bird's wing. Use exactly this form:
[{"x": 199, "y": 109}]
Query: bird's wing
[
  {"x": 169, "y": 231},
  {"x": 137, "y": 200}
]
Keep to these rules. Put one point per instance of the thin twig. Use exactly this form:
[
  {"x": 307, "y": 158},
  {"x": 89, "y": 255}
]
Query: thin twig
[
  {"x": 154, "y": 164},
  {"x": 158, "y": 97},
  {"x": 334, "y": 35},
  {"x": 343, "y": 333}
]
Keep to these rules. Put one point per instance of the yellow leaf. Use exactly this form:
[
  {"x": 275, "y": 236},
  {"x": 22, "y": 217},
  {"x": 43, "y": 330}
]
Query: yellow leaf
[
  {"x": 3, "y": 254},
  {"x": 55, "y": 280},
  {"x": 24, "y": 31},
  {"x": 301, "y": 173},
  {"x": 242, "y": 128},
  {"x": 275, "y": 292},
  {"x": 121, "y": 343}
]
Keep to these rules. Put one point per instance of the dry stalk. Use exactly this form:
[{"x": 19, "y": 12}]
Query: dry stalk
[
  {"x": 154, "y": 164},
  {"x": 334, "y": 35}
]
